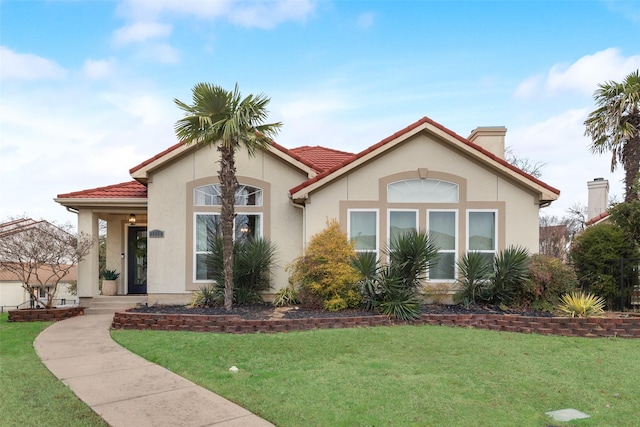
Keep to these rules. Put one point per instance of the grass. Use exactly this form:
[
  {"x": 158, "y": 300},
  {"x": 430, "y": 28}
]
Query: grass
[
  {"x": 406, "y": 375},
  {"x": 31, "y": 395}
]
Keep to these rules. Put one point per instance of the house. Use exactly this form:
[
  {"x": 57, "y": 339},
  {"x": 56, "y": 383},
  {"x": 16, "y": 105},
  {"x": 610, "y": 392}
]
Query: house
[
  {"x": 12, "y": 293},
  {"x": 424, "y": 176}
]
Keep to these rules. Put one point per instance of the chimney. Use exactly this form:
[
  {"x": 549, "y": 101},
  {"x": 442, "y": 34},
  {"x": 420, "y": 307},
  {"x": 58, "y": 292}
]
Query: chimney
[
  {"x": 491, "y": 138},
  {"x": 598, "y": 197}
]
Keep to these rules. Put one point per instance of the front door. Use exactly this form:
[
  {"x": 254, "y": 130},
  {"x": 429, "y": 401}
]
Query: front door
[{"x": 137, "y": 260}]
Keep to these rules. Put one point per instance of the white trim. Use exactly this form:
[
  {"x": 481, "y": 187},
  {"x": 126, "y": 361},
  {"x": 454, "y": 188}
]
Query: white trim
[
  {"x": 377, "y": 213},
  {"x": 456, "y": 243}
]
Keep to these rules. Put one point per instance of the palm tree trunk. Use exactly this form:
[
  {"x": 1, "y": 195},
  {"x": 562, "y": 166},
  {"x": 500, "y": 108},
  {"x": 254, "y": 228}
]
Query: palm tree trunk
[
  {"x": 631, "y": 158},
  {"x": 228, "y": 184}
]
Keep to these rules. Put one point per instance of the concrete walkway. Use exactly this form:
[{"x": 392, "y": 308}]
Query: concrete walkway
[{"x": 125, "y": 389}]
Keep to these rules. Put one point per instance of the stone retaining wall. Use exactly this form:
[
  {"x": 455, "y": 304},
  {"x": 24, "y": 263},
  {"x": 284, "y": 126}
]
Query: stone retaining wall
[
  {"x": 572, "y": 327},
  {"x": 44, "y": 314}
]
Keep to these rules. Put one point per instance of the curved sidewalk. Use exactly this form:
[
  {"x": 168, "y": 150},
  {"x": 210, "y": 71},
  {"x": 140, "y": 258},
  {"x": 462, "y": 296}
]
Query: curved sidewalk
[{"x": 125, "y": 389}]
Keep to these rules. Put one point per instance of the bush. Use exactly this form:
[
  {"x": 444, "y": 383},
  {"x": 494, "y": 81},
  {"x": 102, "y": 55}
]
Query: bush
[
  {"x": 324, "y": 274},
  {"x": 497, "y": 283},
  {"x": 596, "y": 255},
  {"x": 393, "y": 289},
  {"x": 206, "y": 296},
  {"x": 253, "y": 260},
  {"x": 578, "y": 304},
  {"x": 285, "y": 297},
  {"x": 548, "y": 280}
]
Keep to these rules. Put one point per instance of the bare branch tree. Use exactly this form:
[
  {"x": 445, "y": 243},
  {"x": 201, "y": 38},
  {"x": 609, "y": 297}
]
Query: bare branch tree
[
  {"x": 532, "y": 168},
  {"x": 40, "y": 254}
]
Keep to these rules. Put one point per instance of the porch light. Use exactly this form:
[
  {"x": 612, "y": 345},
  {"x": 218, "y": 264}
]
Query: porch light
[{"x": 132, "y": 219}]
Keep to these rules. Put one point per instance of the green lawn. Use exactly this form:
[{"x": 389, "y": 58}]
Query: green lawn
[
  {"x": 407, "y": 375},
  {"x": 30, "y": 395}
]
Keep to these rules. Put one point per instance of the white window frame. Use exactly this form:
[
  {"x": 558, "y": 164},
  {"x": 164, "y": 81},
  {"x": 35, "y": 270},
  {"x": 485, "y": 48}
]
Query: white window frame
[
  {"x": 391, "y": 210},
  {"x": 493, "y": 251},
  {"x": 195, "y": 238},
  {"x": 377, "y": 229},
  {"x": 456, "y": 241}
]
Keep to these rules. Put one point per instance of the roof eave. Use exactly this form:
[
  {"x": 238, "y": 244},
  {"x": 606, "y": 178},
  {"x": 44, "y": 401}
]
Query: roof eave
[{"x": 76, "y": 203}]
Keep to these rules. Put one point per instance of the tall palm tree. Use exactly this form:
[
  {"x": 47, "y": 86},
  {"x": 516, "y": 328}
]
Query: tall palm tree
[
  {"x": 224, "y": 119},
  {"x": 615, "y": 127}
]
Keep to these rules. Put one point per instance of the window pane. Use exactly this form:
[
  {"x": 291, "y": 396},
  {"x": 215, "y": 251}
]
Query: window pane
[
  {"x": 482, "y": 231},
  {"x": 247, "y": 227},
  {"x": 203, "y": 270},
  {"x": 422, "y": 191},
  {"x": 401, "y": 222},
  {"x": 207, "y": 228},
  {"x": 210, "y": 195},
  {"x": 362, "y": 230},
  {"x": 442, "y": 227},
  {"x": 444, "y": 268}
]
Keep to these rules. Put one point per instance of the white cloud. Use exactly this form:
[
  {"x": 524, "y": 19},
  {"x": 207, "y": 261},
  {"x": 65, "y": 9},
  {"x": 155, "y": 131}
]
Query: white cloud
[
  {"x": 26, "y": 66},
  {"x": 140, "y": 32},
  {"x": 582, "y": 76},
  {"x": 264, "y": 14},
  {"x": 560, "y": 143},
  {"x": 97, "y": 69},
  {"x": 161, "y": 53}
]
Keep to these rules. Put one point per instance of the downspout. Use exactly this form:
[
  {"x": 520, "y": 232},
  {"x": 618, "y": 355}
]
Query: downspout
[
  {"x": 72, "y": 210},
  {"x": 304, "y": 222}
]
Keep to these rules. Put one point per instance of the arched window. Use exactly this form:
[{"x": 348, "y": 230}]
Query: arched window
[
  {"x": 422, "y": 191},
  {"x": 211, "y": 195}
]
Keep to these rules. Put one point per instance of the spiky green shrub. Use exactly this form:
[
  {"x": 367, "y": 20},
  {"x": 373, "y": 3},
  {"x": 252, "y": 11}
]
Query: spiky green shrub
[
  {"x": 206, "y": 296},
  {"x": 497, "y": 283},
  {"x": 285, "y": 297},
  {"x": 548, "y": 280},
  {"x": 394, "y": 289},
  {"x": 579, "y": 304},
  {"x": 325, "y": 273},
  {"x": 474, "y": 273},
  {"x": 253, "y": 260}
]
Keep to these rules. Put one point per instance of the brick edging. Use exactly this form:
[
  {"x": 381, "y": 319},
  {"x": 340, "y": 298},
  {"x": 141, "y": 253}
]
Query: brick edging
[
  {"x": 44, "y": 314},
  {"x": 572, "y": 327}
]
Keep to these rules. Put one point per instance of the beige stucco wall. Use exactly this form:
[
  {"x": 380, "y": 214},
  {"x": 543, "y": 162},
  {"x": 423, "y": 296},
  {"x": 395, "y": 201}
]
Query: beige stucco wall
[
  {"x": 170, "y": 209},
  {"x": 481, "y": 188}
]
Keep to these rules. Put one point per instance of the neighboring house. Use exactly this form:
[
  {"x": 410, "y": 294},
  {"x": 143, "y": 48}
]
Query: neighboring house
[
  {"x": 422, "y": 177},
  {"x": 12, "y": 293}
]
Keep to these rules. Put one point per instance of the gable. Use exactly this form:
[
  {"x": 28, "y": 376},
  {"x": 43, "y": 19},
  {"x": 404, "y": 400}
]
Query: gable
[{"x": 456, "y": 145}]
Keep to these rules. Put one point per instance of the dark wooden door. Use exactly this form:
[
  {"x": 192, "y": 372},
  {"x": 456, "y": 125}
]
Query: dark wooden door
[{"x": 137, "y": 260}]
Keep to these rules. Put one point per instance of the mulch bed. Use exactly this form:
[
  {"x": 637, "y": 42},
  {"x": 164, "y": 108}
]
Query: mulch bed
[{"x": 265, "y": 311}]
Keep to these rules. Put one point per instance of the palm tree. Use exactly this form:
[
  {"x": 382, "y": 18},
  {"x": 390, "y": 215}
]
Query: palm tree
[
  {"x": 615, "y": 127},
  {"x": 224, "y": 119}
]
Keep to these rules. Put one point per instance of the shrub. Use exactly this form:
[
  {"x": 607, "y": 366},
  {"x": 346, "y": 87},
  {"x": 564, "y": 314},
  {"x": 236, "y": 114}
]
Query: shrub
[
  {"x": 253, "y": 260},
  {"x": 206, "y": 296},
  {"x": 437, "y": 293},
  {"x": 325, "y": 273},
  {"x": 596, "y": 255},
  {"x": 285, "y": 297},
  {"x": 497, "y": 283},
  {"x": 393, "y": 289},
  {"x": 547, "y": 281},
  {"x": 579, "y": 304}
]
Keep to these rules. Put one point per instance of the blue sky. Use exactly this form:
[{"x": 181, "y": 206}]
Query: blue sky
[{"x": 87, "y": 87}]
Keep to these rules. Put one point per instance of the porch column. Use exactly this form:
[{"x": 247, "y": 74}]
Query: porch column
[{"x": 88, "y": 268}]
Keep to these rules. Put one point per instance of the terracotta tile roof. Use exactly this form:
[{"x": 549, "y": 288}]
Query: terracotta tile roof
[
  {"x": 597, "y": 219},
  {"x": 424, "y": 120},
  {"x": 43, "y": 272},
  {"x": 321, "y": 157},
  {"x": 125, "y": 190}
]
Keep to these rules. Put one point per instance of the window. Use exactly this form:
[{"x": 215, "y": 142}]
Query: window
[
  {"x": 210, "y": 195},
  {"x": 442, "y": 228},
  {"x": 422, "y": 191},
  {"x": 402, "y": 221},
  {"x": 482, "y": 233},
  {"x": 363, "y": 226},
  {"x": 208, "y": 228}
]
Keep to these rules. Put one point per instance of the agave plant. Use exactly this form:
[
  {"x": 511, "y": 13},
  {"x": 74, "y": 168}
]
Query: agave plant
[
  {"x": 579, "y": 304},
  {"x": 473, "y": 277},
  {"x": 252, "y": 263},
  {"x": 285, "y": 297}
]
